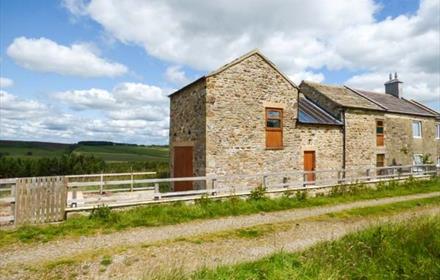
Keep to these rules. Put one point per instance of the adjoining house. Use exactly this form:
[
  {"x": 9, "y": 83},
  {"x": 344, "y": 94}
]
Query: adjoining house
[{"x": 247, "y": 117}]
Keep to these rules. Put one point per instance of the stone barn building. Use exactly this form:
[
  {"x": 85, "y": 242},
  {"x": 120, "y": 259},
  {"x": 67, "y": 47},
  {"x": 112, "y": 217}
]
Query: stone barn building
[{"x": 247, "y": 117}]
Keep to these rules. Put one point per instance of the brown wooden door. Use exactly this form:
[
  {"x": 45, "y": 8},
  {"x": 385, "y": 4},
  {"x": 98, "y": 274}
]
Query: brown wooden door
[
  {"x": 183, "y": 167},
  {"x": 309, "y": 165}
]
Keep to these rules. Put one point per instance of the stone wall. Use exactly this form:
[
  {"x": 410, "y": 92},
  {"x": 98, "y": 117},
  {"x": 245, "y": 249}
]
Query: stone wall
[
  {"x": 235, "y": 135},
  {"x": 188, "y": 125},
  {"x": 399, "y": 140},
  {"x": 360, "y": 135},
  {"x": 326, "y": 141},
  {"x": 438, "y": 146}
]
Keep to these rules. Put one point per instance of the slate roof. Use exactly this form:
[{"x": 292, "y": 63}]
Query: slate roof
[
  {"x": 393, "y": 104},
  {"x": 343, "y": 96},
  {"x": 309, "y": 113}
]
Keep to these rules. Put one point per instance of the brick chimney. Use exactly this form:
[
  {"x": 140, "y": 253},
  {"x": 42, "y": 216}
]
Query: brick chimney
[{"x": 394, "y": 86}]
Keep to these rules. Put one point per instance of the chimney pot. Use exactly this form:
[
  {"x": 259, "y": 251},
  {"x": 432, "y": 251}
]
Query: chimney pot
[{"x": 394, "y": 86}]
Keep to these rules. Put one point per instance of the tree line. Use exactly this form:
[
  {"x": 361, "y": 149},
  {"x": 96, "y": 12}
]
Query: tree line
[{"x": 71, "y": 164}]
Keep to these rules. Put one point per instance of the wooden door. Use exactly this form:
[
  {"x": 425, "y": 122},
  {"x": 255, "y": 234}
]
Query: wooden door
[
  {"x": 309, "y": 165},
  {"x": 183, "y": 167}
]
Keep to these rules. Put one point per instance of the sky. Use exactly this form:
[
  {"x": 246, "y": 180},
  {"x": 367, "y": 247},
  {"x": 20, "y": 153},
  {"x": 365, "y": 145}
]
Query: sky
[{"x": 76, "y": 70}]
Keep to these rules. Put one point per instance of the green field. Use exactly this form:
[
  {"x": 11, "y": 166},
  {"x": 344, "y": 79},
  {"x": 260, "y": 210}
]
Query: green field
[
  {"x": 124, "y": 153},
  {"x": 109, "y": 153}
]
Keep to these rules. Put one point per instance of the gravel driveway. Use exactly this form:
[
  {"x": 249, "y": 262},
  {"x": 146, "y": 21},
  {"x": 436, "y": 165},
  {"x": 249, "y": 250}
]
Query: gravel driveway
[{"x": 224, "y": 251}]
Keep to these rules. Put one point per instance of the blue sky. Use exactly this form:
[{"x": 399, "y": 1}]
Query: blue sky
[{"x": 149, "y": 48}]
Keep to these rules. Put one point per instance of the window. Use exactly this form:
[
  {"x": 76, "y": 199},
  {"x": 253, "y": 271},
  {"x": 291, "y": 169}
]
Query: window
[
  {"x": 417, "y": 129},
  {"x": 379, "y": 133},
  {"x": 417, "y": 160},
  {"x": 438, "y": 131},
  {"x": 274, "y": 128},
  {"x": 380, "y": 160}
]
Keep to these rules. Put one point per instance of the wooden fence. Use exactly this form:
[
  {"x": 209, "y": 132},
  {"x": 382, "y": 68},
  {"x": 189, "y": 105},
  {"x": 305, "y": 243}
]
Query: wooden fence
[
  {"x": 40, "y": 200},
  {"x": 48, "y": 199}
]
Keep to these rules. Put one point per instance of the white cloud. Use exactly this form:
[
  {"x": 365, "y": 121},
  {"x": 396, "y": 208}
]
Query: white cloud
[
  {"x": 45, "y": 55},
  {"x": 87, "y": 99},
  {"x": 5, "y": 82},
  {"x": 308, "y": 76},
  {"x": 415, "y": 86},
  {"x": 13, "y": 107},
  {"x": 130, "y": 112},
  {"x": 301, "y": 37},
  {"x": 176, "y": 75}
]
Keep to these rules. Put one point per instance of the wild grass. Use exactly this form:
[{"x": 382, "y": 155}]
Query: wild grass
[
  {"x": 409, "y": 250},
  {"x": 104, "y": 220}
]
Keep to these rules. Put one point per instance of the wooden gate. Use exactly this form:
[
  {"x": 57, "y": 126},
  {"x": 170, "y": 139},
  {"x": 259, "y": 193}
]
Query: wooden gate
[{"x": 40, "y": 199}]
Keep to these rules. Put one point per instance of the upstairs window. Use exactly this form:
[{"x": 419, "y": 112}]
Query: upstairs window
[
  {"x": 274, "y": 128},
  {"x": 379, "y": 133},
  {"x": 438, "y": 131},
  {"x": 417, "y": 129}
]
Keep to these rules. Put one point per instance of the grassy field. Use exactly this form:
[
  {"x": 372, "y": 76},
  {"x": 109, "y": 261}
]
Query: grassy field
[
  {"x": 409, "y": 250},
  {"x": 124, "y": 153},
  {"x": 105, "y": 221},
  {"x": 109, "y": 153}
]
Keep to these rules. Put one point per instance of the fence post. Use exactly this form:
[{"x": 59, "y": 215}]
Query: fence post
[
  {"x": 264, "y": 181},
  {"x": 213, "y": 186},
  {"x": 285, "y": 185},
  {"x": 101, "y": 183},
  {"x": 156, "y": 191},
  {"x": 304, "y": 179},
  {"x": 368, "y": 174},
  {"x": 131, "y": 185},
  {"x": 74, "y": 196}
]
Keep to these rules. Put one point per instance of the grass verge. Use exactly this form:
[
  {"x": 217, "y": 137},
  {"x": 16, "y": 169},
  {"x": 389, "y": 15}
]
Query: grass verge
[
  {"x": 103, "y": 220},
  {"x": 409, "y": 250}
]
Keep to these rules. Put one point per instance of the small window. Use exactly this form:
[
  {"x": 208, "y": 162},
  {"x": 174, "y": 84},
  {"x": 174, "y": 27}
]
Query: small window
[
  {"x": 380, "y": 160},
  {"x": 379, "y": 133},
  {"x": 274, "y": 128},
  {"x": 417, "y": 159},
  {"x": 417, "y": 129},
  {"x": 438, "y": 131}
]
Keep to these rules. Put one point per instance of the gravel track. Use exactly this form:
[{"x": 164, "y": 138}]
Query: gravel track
[{"x": 17, "y": 255}]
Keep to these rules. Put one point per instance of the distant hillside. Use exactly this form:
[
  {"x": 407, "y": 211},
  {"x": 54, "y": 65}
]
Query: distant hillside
[{"x": 108, "y": 151}]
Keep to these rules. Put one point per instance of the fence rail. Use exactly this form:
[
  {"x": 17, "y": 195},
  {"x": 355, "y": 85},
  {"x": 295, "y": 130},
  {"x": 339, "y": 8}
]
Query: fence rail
[{"x": 83, "y": 193}]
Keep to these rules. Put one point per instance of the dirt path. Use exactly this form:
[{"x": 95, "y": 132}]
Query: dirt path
[
  {"x": 68, "y": 247},
  {"x": 139, "y": 258}
]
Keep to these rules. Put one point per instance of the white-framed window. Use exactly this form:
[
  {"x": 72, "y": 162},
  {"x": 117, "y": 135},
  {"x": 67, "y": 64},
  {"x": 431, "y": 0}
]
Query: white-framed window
[
  {"x": 417, "y": 160},
  {"x": 437, "y": 128},
  {"x": 417, "y": 129}
]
